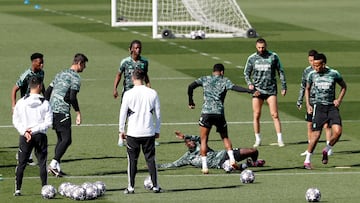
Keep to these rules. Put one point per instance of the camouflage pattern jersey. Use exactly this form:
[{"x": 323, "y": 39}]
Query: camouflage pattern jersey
[
  {"x": 23, "y": 81},
  {"x": 60, "y": 95},
  {"x": 302, "y": 87},
  {"x": 128, "y": 65},
  {"x": 260, "y": 71},
  {"x": 324, "y": 85},
  {"x": 215, "y": 88},
  {"x": 192, "y": 156}
]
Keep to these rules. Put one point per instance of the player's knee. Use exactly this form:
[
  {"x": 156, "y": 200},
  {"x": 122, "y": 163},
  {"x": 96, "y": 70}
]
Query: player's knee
[{"x": 275, "y": 115}]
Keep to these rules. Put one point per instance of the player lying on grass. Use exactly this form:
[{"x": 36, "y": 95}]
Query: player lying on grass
[{"x": 216, "y": 159}]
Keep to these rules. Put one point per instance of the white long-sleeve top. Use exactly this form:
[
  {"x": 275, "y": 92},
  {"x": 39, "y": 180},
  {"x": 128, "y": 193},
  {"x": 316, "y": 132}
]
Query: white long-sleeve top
[
  {"x": 140, "y": 106},
  {"x": 34, "y": 113}
]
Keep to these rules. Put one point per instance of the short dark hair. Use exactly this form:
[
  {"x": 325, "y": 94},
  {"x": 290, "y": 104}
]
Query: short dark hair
[
  {"x": 79, "y": 57},
  {"x": 36, "y": 56},
  {"x": 261, "y": 40},
  {"x": 134, "y": 42},
  {"x": 138, "y": 74},
  {"x": 312, "y": 52},
  {"x": 320, "y": 56},
  {"x": 218, "y": 67},
  {"x": 34, "y": 82}
]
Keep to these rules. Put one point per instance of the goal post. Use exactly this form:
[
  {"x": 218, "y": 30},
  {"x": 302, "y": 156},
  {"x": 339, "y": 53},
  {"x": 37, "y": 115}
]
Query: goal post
[{"x": 178, "y": 18}]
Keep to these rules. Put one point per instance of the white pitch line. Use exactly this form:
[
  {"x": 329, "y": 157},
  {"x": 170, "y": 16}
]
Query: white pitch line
[{"x": 191, "y": 123}]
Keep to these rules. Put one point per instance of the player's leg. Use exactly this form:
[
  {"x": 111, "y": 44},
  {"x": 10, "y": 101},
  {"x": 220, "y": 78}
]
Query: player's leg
[
  {"x": 336, "y": 129},
  {"x": 257, "y": 105},
  {"x": 148, "y": 148},
  {"x": 328, "y": 133},
  {"x": 41, "y": 152},
  {"x": 204, "y": 136},
  {"x": 133, "y": 151},
  {"x": 24, "y": 151},
  {"x": 319, "y": 118},
  {"x": 273, "y": 106},
  {"x": 62, "y": 126},
  {"x": 308, "y": 118}
]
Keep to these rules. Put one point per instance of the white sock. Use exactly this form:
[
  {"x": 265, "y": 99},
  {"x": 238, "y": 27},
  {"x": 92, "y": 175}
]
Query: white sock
[
  {"x": 53, "y": 163},
  {"x": 204, "y": 162},
  {"x": 231, "y": 156},
  {"x": 58, "y": 167},
  {"x": 30, "y": 157},
  {"x": 328, "y": 147},
  {"x": 308, "y": 157},
  {"x": 257, "y": 137},
  {"x": 279, "y": 136}
]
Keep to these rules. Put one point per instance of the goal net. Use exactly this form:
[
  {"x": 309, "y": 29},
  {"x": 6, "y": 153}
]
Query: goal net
[{"x": 178, "y": 18}]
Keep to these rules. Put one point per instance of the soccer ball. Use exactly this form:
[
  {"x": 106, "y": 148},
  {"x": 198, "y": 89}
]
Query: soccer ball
[
  {"x": 48, "y": 191},
  {"x": 313, "y": 195},
  {"x": 78, "y": 193},
  {"x": 148, "y": 184},
  {"x": 68, "y": 189},
  {"x": 101, "y": 188},
  {"x": 62, "y": 187},
  {"x": 91, "y": 190},
  {"x": 247, "y": 176},
  {"x": 227, "y": 167},
  {"x": 199, "y": 34}
]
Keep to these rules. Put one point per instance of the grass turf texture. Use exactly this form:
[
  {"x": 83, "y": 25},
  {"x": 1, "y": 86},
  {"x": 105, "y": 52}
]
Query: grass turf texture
[{"x": 61, "y": 28}]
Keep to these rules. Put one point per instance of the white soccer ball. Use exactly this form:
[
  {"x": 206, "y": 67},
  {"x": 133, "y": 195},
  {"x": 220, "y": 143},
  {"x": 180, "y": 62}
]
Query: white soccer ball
[
  {"x": 199, "y": 34},
  {"x": 227, "y": 167},
  {"x": 313, "y": 195},
  {"x": 101, "y": 188},
  {"x": 68, "y": 189},
  {"x": 148, "y": 184},
  {"x": 61, "y": 188},
  {"x": 247, "y": 176},
  {"x": 78, "y": 193},
  {"x": 91, "y": 190},
  {"x": 48, "y": 191}
]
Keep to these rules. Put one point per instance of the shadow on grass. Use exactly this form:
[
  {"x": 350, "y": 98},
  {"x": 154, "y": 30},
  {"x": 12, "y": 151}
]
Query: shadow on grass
[
  {"x": 186, "y": 189},
  {"x": 93, "y": 158}
]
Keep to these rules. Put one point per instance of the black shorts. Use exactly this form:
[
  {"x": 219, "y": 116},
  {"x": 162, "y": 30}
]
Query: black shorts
[
  {"x": 308, "y": 117},
  {"x": 263, "y": 96},
  {"x": 325, "y": 114},
  {"x": 237, "y": 156},
  {"x": 61, "y": 122},
  {"x": 208, "y": 120}
]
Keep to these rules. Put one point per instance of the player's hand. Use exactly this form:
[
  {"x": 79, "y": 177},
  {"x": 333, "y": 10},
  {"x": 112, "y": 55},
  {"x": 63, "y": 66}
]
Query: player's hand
[
  {"x": 157, "y": 135},
  {"x": 78, "y": 118},
  {"x": 179, "y": 135},
  {"x": 256, "y": 93},
  {"x": 336, "y": 103},
  {"x": 27, "y": 135},
  {"x": 283, "y": 92},
  {"x": 251, "y": 87},
  {"x": 115, "y": 94},
  {"x": 191, "y": 105},
  {"x": 298, "y": 105},
  {"x": 309, "y": 109}
]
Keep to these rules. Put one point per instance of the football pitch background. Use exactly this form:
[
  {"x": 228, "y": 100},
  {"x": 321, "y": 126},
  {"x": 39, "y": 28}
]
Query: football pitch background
[{"x": 61, "y": 28}]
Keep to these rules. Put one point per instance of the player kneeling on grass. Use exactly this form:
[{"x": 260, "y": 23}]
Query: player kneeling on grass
[{"x": 215, "y": 159}]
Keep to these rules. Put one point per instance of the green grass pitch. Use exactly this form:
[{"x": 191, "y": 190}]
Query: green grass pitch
[{"x": 60, "y": 28}]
